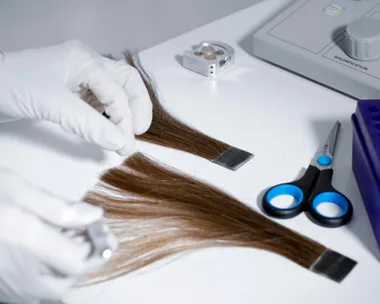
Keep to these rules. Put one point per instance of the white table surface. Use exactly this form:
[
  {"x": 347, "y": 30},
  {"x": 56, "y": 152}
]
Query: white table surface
[{"x": 279, "y": 117}]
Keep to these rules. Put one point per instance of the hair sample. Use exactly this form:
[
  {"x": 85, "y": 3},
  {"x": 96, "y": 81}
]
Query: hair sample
[
  {"x": 168, "y": 131},
  {"x": 156, "y": 212}
]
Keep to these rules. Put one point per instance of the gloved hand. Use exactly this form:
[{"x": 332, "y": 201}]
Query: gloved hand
[
  {"x": 37, "y": 260},
  {"x": 45, "y": 83}
]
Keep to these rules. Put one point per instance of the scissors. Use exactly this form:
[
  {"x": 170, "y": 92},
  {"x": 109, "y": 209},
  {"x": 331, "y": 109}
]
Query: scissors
[{"x": 312, "y": 189}]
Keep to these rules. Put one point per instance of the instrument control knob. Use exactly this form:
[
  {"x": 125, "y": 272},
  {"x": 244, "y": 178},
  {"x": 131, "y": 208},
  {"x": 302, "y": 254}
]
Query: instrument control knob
[{"x": 362, "y": 39}]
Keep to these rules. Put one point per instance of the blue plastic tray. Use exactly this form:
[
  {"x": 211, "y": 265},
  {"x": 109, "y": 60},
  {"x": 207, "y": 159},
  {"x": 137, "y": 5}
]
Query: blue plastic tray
[{"x": 366, "y": 158}]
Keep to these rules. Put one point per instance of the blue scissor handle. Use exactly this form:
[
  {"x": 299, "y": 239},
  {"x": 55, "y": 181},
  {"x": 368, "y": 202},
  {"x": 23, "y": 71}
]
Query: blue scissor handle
[
  {"x": 324, "y": 192},
  {"x": 284, "y": 189},
  {"x": 309, "y": 192}
]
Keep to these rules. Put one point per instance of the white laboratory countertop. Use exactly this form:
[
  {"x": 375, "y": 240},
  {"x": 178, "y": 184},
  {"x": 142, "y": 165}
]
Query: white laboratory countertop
[{"x": 279, "y": 117}]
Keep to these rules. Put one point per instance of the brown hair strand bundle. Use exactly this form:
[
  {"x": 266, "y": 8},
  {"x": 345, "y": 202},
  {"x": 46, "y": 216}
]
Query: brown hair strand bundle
[{"x": 156, "y": 212}]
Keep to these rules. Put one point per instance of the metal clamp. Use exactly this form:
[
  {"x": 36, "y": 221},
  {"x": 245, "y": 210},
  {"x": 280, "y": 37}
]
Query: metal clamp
[
  {"x": 209, "y": 58},
  {"x": 97, "y": 234}
]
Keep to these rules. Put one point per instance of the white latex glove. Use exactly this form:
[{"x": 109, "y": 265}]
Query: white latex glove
[
  {"x": 44, "y": 83},
  {"x": 37, "y": 260}
]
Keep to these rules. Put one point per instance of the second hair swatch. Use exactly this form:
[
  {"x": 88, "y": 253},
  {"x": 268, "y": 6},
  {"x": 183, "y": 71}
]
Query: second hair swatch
[{"x": 157, "y": 212}]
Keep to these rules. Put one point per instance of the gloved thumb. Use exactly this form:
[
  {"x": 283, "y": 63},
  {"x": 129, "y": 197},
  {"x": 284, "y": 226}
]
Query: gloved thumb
[
  {"x": 44, "y": 204},
  {"x": 76, "y": 116}
]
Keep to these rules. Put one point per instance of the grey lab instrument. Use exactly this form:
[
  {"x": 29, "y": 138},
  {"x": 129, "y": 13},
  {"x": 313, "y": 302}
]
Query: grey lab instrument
[{"x": 335, "y": 43}]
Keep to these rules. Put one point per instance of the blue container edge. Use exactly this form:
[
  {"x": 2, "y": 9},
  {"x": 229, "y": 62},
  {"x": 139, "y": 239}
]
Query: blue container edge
[
  {"x": 366, "y": 178},
  {"x": 366, "y": 138}
]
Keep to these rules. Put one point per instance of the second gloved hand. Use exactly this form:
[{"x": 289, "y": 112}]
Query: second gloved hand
[
  {"x": 37, "y": 260},
  {"x": 45, "y": 83}
]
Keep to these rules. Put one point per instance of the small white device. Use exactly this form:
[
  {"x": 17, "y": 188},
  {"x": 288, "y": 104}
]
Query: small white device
[
  {"x": 333, "y": 42},
  {"x": 209, "y": 58}
]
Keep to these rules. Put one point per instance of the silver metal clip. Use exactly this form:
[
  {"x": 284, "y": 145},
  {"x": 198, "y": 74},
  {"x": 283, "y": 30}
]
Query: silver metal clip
[
  {"x": 209, "y": 58},
  {"x": 97, "y": 233}
]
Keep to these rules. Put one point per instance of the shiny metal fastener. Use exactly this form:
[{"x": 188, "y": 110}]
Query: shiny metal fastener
[
  {"x": 209, "y": 58},
  {"x": 97, "y": 234}
]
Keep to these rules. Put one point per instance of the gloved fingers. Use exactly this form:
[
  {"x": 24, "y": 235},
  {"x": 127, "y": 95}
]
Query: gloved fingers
[
  {"x": 125, "y": 125},
  {"x": 79, "y": 236},
  {"x": 118, "y": 115},
  {"x": 109, "y": 93},
  {"x": 76, "y": 116},
  {"x": 104, "y": 87},
  {"x": 46, "y": 205},
  {"x": 27, "y": 232},
  {"x": 91, "y": 99},
  {"x": 130, "y": 80},
  {"x": 59, "y": 252},
  {"x": 55, "y": 288}
]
